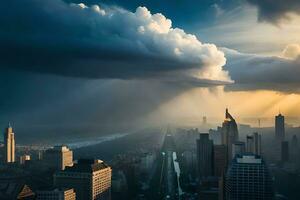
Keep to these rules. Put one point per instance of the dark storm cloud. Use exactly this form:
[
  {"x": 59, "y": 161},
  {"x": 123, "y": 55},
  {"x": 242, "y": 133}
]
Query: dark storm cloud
[
  {"x": 252, "y": 72},
  {"x": 94, "y": 41},
  {"x": 275, "y": 10}
]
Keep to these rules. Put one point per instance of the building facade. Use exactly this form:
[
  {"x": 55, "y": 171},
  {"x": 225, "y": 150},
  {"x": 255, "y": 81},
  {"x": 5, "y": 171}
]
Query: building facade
[
  {"x": 9, "y": 145},
  {"x": 56, "y": 194},
  {"x": 205, "y": 156},
  {"x": 229, "y": 133},
  {"x": 91, "y": 179},
  {"x": 220, "y": 159},
  {"x": 248, "y": 178}
]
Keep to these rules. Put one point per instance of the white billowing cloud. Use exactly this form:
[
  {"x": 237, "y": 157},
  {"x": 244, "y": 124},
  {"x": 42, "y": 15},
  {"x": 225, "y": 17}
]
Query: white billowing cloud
[
  {"x": 291, "y": 51},
  {"x": 109, "y": 42}
]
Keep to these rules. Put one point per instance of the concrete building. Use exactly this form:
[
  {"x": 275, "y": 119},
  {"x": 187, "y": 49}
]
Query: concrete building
[
  {"x": 56, "y": 194},
  {"x": 279, "y": 127},
  {"x": 229, "y": 133},
  {"x": 9, "y": 145},
  {"x": 248, "y": 178},
  {"x": 220, "y": 159},
  {"x": 205, "y": 148},
  {"x": 91, "y": 179},
  {"x": 254, "y": 144},
  {"x": 58, "y": 157}
]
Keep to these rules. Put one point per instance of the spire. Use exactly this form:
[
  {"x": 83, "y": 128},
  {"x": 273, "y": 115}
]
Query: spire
[
  {"x": 9, "y": 125},
  {"x": 226, "y": 114}
]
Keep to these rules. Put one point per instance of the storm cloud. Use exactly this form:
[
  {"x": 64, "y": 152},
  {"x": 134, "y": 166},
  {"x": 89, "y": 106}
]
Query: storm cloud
[
  {"x": 254, "y": 72},
  {"x": 275, "y": 11},
  {"x": 93, "y": 41}
]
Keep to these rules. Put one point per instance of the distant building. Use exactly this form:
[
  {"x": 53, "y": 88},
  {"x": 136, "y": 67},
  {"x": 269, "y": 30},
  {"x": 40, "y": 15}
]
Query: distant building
[
  {"x": 58, "y": 157},
  {"x": 24, "y": 158},
  {"x": 220, "y": 159},
  {"x": 279, "y": 127},
  {"x": 248, "y": 178},
  {"x": 204, "y": 121},
  {"x": 205, "y": 156},
  {"x": 229, "y": 133},
  {"x": 254, "y": 144},
  {"x": 56, "y": 194},
  {"x": 9, "y": 145},
  {"x": 238, "y": 148},
  {"x": 91, "y": 179},
  {"x": 284, "y": 151},
  {"x": 216, "y": 135}
]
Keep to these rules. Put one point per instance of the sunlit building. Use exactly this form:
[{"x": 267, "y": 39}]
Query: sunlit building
[
  {"x": 58, "y": 157},
  {"x": 56, "y": 194},
  {"x": 91, "y": 179},
  {"x": 24, "y": 158},
  {"x": 229, "y": 133},
  {"x": 9, "y": 145}
]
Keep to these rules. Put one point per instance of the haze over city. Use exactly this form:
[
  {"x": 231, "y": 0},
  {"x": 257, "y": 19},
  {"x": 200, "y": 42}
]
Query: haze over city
[{"x": 173, "y": 84}]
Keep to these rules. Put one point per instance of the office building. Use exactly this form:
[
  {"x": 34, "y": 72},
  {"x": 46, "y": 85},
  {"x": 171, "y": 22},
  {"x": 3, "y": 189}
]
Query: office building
[
  {"x": 284, "y": 151},
  {"x": 91, "y": 179},
  {"x": 254, "y": 144},
  {"x": 205, "y": 155},
  {"x": 9, "y": 145},
  {"x": 279, "y": 127},
  {"x": 229, "y": 133},
  {"x": 248, "y": 178},
  {"x": 24, "y": 158},
  {"x": 220, "y": 159},
  {"x": 58, "y": 157},
  {"x": 56, "y": 194},
  {"x": 238, "y": 148}
]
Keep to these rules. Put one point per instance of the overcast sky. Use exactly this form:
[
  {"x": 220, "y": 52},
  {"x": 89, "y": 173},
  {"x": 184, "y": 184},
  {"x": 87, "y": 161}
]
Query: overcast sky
[{"x": 96, "y": 64}]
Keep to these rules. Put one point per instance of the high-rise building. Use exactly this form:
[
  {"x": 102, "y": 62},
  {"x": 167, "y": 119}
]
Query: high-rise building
[
  {"x": 58, "y": 157},
  {"x": 205, "y": 148},
  {"x": 91, "y": 179},
  {"x": 220, "y": 159},
  {"x": 56, "y": 194},
  {"x": 254, "y": 144},
  {"x": 229, "y": 133},
  {"x": 9, "y": 145},
  {"x": 284, "y": 151},
  {"x": 238, "y": 148},
  {"x": 279, "y": 127},
  {"x": 248, "y": 178}
]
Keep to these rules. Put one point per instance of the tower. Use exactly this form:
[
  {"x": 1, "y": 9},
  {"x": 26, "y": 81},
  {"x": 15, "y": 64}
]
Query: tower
[
  {"x": 9, "y": 145},
  {"x": 205, "y": 156},
  {"x": 279, "y": 127},
  {"x": 248, "y": 177},
  {"x": 229, "y": 133}
]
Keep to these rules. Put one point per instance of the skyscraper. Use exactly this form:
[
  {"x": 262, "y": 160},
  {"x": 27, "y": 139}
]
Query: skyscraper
[
  {"x": 220, "y": 159},
  {"x": 9, "y": 145},
  {"x": 248, "y": 178},
  {"x": 279, "y": 127},
  {"x": 205, "y": 148},
  {"x": 229, "y": 133},
  {"x": 91, "y": 179}
]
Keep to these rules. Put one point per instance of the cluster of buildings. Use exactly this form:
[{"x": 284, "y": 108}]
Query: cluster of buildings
[
  {"x": 59, "y": 177},
  {"x": 238, "y": 167}
]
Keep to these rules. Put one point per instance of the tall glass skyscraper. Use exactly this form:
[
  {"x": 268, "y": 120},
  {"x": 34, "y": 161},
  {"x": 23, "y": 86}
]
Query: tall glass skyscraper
[{"x": 248, "y": 178}]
